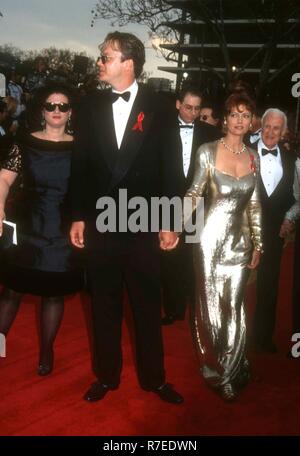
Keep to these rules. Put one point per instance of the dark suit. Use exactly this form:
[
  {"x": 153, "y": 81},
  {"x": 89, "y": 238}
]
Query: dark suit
[
  {"x": 177, "y": 265},
  {"x": 274, "y": 208},
  {"x": 99, "y": 168}
]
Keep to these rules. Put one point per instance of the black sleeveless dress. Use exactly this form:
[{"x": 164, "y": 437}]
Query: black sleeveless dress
[{"x": 43, "y": 263}]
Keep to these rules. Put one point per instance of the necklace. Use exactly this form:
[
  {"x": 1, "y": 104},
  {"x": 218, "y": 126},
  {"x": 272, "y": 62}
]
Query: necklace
[{"x": 237, "y": 152}]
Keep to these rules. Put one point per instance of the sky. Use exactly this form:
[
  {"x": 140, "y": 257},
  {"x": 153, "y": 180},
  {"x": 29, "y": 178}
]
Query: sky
[{"x": 38, "y": 24}]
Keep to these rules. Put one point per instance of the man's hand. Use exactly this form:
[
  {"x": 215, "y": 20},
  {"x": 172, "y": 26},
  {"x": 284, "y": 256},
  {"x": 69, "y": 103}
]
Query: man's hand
[
  {"x": 76, "y": 234},
  {"x": 168, "y": 240},
  {"x": 286, "y": 228},
  {"x": 255, "y": 259}
]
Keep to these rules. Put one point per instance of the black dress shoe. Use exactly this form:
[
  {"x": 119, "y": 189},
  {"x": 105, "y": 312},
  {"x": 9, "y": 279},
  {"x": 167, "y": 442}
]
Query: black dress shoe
[
  {"x": 242, "y": 379},
  {"x": 168, "y": 394},
  {"x": 96, "y": 392},
  {"x": 170, "y": 319}
]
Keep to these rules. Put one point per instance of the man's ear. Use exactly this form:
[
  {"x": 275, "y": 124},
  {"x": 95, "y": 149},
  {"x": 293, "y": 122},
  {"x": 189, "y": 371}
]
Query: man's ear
[
  {"x": 129, "y": 65},
  {"x": 283, "y": 132},
  {"x": 178, "y": 104}
]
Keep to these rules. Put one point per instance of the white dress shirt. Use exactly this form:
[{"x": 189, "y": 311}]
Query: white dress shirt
[
  {"x": 255, "y": 136},
  {"x": 122, "y": 110},
  {"x": 186, "y": 135},
  {"x": 270, "y": 168}
]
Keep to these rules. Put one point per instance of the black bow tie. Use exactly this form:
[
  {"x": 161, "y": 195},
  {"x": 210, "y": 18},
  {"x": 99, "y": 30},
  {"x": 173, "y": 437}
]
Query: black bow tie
[
  {"x": 185, "y": 126},
  {"x": 267, "y": 151},
  {"x": 115, "y": 96}
]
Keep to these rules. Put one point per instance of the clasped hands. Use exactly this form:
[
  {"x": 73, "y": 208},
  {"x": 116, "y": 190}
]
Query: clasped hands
[{"x": 168, "y": 240}]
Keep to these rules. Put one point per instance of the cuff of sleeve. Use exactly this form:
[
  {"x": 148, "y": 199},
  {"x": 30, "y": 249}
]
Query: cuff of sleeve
[{"x": 258, "y": 248}]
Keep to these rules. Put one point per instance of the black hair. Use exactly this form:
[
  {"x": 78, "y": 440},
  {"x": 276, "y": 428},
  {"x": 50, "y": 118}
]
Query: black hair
[
  {"x": 191, "y": 90},
  {"x": 44, "y": 92},
  {"x": 35, "y": 111}
]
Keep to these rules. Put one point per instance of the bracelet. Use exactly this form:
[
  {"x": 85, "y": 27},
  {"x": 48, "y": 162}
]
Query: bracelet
[{"x": 259, "y": 249}]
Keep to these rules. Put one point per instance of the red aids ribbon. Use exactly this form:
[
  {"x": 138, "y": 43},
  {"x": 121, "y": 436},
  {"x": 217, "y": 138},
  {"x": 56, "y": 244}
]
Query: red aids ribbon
[{"x": 139, "y": 124}]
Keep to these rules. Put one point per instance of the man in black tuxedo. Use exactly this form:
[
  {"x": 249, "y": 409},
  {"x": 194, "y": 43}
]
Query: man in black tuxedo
[
  {"x": 119, "y": 147},
  {"x": 279, "y": 212},
  {"x": 187, "y": 133}
]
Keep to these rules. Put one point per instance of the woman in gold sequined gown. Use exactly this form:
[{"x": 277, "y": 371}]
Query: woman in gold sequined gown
[{"x": 230, "y": 245}]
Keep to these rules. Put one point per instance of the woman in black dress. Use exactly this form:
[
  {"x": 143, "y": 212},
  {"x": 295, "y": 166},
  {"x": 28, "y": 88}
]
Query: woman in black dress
[{"x": 42, "y": 262}]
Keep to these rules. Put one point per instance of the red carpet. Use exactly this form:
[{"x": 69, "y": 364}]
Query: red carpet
[{"x": 32, "y": 405}]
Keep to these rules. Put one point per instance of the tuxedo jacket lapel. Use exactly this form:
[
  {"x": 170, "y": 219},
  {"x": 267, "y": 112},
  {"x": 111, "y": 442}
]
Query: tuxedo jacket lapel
[
  {"x": 285, "y": 171},
  {"x": 132, "y": 139},
  {"x": 105, "y": 130}
]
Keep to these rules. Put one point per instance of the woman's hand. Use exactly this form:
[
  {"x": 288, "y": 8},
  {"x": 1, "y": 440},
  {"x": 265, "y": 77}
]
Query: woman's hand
[
  {"x": 255, "y": 259},
  {"x": 7, "y": 178},
  {"x": 2, "y": 217}
]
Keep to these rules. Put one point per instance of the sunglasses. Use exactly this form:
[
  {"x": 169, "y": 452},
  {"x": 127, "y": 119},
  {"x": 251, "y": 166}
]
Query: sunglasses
[
  {"x": 63, "y": 107},
  {"x": 105, "y": 58}
]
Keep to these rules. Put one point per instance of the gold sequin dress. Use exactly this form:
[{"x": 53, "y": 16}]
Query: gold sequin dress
[{"x": 232, "y": 227}]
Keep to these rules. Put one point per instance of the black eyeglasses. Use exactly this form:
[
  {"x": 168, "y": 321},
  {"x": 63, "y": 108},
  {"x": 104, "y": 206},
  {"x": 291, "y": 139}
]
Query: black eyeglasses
[
  {"x": 63, "y": 107},
  {"x": 105, "y": 58},
  {"x": 191, "y": 108}
]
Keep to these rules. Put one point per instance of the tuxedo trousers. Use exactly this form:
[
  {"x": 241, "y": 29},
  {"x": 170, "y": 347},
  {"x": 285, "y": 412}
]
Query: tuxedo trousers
[
  {"x": 137, "y": 269},
  {"x": 177, "y": 279},
  {"x": 268, "y": 273}
]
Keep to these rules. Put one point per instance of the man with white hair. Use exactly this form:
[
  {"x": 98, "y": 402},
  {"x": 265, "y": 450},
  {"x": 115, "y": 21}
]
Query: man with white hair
[{"x": 279, "y": 212}]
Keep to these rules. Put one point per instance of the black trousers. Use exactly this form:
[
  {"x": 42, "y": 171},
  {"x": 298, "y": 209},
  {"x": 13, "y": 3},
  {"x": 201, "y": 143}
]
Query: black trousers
[
  {"x": 296, "y": 282},
  {"x": 177, "y": 279},
  {"x": 267, "y": 288},
  {"x": 138, "y": 269}
]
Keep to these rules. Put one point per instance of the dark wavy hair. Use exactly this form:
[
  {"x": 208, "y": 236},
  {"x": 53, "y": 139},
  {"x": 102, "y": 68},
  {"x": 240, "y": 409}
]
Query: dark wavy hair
[
  {"x": 51, "y": 87},
  {"x": 35, "y": 112},
  {"x": 130, "y": 47}
]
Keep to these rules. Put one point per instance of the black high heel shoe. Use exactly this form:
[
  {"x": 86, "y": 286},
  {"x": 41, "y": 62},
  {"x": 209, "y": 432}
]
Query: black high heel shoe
[
  {"x": 242, "y": 380},
  {"x": 45, "y": 368},
  {"x": 228, "y": 392}
]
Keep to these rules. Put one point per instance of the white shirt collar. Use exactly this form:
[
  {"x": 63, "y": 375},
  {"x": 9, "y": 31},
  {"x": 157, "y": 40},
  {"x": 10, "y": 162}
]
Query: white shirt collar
[
  {"x": 261, "y": 145},
  {"x": 183, "y": 122},
  {"x": 133, "y": 88}
]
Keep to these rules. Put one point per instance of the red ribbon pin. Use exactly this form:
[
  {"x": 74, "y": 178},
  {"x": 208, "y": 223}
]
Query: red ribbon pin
[{"x": 139, "y": 124}]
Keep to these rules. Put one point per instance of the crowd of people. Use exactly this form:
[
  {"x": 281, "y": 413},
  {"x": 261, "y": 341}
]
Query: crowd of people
[{"x": 128, "y": 137}]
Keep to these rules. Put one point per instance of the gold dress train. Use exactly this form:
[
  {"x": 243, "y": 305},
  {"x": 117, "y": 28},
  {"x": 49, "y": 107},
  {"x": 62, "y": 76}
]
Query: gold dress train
[{"x": 232, "y": 227}]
